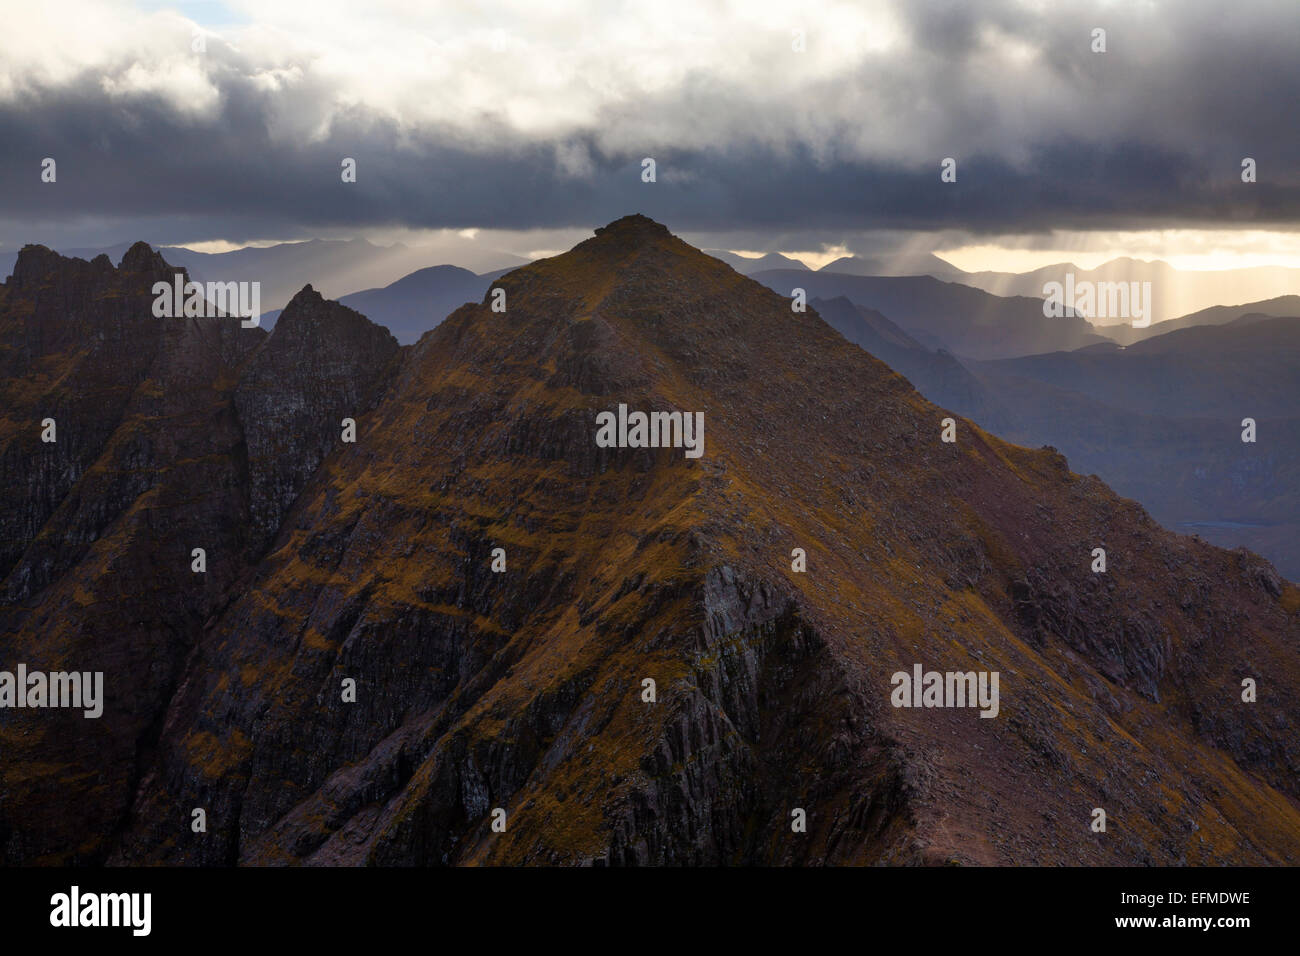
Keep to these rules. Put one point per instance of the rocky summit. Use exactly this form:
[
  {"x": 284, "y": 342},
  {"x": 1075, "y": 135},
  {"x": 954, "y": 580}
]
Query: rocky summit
[{"x": 470, "y": 632}]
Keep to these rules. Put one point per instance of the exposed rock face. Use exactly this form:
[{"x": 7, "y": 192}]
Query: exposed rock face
[
  {"x": 99, "y": 526},
  {"x": 523, "y": 690},
  {"x": 323, "y": 363},
  {"x": 78, "y": 340}
]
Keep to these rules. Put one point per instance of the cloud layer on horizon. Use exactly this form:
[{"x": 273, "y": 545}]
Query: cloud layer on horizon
[{"x": 536, "y": 116}]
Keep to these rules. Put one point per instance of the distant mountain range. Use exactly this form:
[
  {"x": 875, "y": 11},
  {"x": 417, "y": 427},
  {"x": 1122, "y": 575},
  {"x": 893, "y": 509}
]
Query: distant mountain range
[
  {"x": 1174, "y": 292},
  {"x": 891, "y": 265},
  {"x": 1215, "y": 315},
  {"x": 965, "y": 320},
  {"x": 399, "y": 288},
  {"x": 918, "y": 264},
  {"x": 748, "y": 265},
  {"x": 416, "y": 303}
]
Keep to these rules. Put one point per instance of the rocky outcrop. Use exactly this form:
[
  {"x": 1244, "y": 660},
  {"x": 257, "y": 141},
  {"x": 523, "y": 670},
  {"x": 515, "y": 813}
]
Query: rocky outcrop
[
  {"x": 323, "y": 363},
  {"x": 100, "y": 526}
]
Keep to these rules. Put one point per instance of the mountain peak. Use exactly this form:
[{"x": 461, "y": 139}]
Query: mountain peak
[
  {"x": 330, "y": 324},
  {"x": 634, "y": 228},
  {"x": 649, "y": 293},
  {"x": 308, "y": 302},
  {"x": 141, "y": 257},
  {"x": 36, "y": 263},
  {"x": 33, "y": 261}
]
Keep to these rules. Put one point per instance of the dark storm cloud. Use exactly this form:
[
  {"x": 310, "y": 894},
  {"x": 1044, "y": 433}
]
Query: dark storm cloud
[{"x": 1149, "y": 134}]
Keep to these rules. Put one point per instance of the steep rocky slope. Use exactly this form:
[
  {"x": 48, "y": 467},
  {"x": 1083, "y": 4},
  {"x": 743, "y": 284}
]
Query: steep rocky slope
[
  {"x": 324, "y": 363},
  {"x": 523, "y": 690},
  {"x": 150, "y": 461}
]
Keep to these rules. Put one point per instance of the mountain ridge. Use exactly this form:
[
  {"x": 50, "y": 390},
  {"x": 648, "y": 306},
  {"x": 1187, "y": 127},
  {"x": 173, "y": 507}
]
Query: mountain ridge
[
  {"x": 523, "y": 689},
  {"x": 965, "y": 320}
]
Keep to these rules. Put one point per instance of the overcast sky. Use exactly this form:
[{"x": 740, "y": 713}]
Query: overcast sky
[{"x": 528, "y": 121}]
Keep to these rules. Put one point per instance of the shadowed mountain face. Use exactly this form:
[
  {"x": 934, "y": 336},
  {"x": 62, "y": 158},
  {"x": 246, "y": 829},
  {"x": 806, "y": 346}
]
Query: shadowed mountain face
[
  {"x": 99, "y": 523},
  {"x": 170, "y": 435},
  {"x": 524, "y": 688},
  {"x": 324, "y": 363}
]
